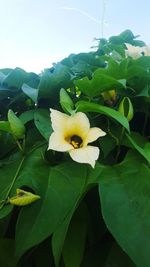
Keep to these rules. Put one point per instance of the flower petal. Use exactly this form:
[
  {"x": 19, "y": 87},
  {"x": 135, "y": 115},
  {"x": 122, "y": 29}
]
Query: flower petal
[
  {"x": 88, "y": 154},
  {"x": 146, "y": 50},
  {"x": 93, "y": 134},
  {"x": 58, "y": 143},
  {"x": 133, "y": 51},
  {"x": 58, "y": 119},
  {"x": 78, "y": 124}
]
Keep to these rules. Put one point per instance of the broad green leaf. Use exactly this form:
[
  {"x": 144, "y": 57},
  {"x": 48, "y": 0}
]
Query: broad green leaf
[
  {"x": 8, "y": 171},
  {"x": 145, "y": 92},
  {"x": 30, "y": 92},
  {"x": 59, "y": 235},
  {"x": 65, "y": 184},
  {"x": 51, "y": 82},
  {"x": 92, "y": 107},
  {"x": 5, "y": 93},
  {"x": 7, "y": 144},
  {"x": 99, "y": 83},
  {"x": 127, "y": 36},
  {"x": 117, "y": 70},
  {"x": 144, "y": 62},
  {"x": 5, "y": 126},
  {"x": 145, "y": 152},
  {"x": 15, "y": 78},
  {"x": 7, "y": 250},
  {"x": 4, "y": 226},
  {"x": 124, "y": 37},
  {"x": 42, "y": 122},
  {"x": 2, "y": 77},
  {"x": 6, "y": 70},
  {"x": 42, "y": 256},
  {"x": 27, "y": 116},
  {"x": 125, "y": 199},
  {"x": 74, "y": 245},
  {"x": 118, "y": 258},
  {"x": 60, "y": 189}
]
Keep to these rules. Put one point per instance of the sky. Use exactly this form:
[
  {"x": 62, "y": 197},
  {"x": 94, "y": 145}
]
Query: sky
[{"x": 34, "y": 34}]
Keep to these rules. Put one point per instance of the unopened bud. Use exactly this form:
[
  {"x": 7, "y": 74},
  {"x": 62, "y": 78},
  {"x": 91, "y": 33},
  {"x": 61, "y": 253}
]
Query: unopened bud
[
  {"x": 23, "y": 198},
  {"x": 126, "y": 108},
  {"x": 66, "y": 101},
  {"x": 16, "y": 125}
]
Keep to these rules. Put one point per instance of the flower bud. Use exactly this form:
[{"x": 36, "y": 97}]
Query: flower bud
[
  {"x": 110, "y": 97},
  {"x": 23, "y": 198},
  {"x": 126, "y": 108},
  {"x": 16, "y": 125},
  {"x": 65, "y": 101}
]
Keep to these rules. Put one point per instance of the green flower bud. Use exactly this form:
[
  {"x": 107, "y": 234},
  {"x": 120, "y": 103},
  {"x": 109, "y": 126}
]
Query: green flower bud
[
  {"x": 23, "y": 198},
  {"x": 126, "y": 108},
  {"x": 65, "y": 101},
  {"x": 16, "y": 125}
]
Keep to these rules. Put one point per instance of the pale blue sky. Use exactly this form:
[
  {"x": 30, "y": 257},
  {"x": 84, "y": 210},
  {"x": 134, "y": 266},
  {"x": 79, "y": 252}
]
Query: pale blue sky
[{"x": 36, "y": 33}]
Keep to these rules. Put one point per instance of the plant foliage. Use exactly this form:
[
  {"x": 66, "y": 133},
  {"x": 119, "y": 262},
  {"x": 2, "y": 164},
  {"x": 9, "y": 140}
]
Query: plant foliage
[{"x": 67, "y": 214}]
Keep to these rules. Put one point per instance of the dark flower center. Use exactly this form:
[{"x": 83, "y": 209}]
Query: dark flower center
[{"x": 76, "y": 141}]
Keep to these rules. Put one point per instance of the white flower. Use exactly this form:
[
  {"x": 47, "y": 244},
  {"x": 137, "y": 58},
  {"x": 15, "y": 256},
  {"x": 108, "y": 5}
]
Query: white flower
[
  {"x": 146, "y": 50},
  {"x": 73, "y": 134},
  {"x": 137, "y": 51},
  {"x": 133, "y": 51}
]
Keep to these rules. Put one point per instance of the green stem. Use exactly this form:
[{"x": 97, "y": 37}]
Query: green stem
[{"x": 3, "y": 202}]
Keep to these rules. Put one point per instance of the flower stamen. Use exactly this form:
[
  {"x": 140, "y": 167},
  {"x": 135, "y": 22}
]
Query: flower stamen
[{"x": 76, "y": 141}]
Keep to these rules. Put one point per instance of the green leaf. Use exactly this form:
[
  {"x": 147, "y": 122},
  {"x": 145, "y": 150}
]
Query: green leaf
[
  {"x": 100, "y": 82},
  {"x": 4, "y": 93},
  {"x": 7, "y": 144},
  {"x": 42, "y": 122},
  {"x": 84, "y": 182},
  {"x": 61, "y": 190},
  {"x": 92, "y": 107},
  {"x": 27, "y": 116},
  {"x": 2, "y": 77},
  {"x": 5, "y": 126},
  {"x": 7, "y": 173},
  {"x": 145, "y": 152},
  {"x": 10, "y": 172},
  {"x": 144, "y": 62},
  {"x": 15, "y": 78},
  {"x": 118, "y": 258},
  {"x": 7, "y": 250},
  {"x": 127, "y": 36},
  {"x": 124, "y": 192},
  {"x": 74, "y": 246},
  {"x": 30, "y": 92},
  {"x": 60, "y": 196},
  {"x": 51, "y": 83},
  {"x": 42, "y": 256}
]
